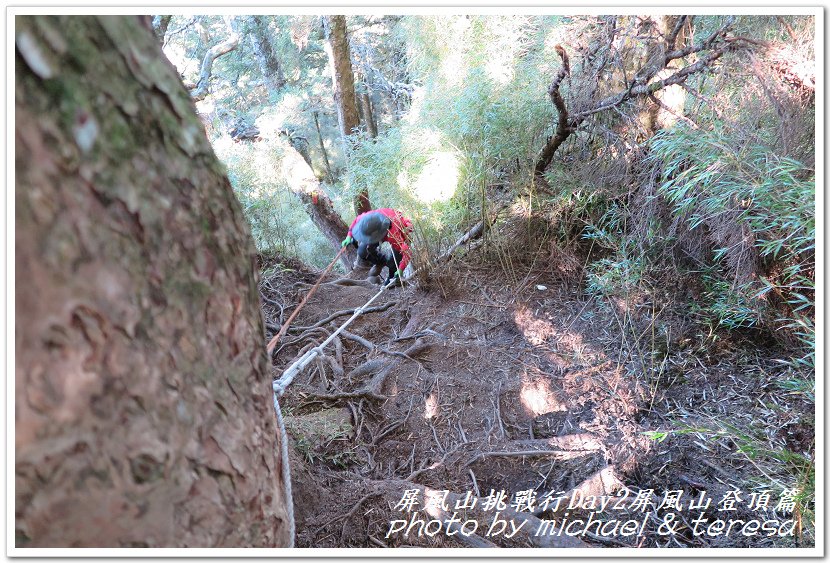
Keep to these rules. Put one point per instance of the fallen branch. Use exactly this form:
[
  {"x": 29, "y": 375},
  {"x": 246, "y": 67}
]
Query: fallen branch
[{"x": 476, "y": 231}]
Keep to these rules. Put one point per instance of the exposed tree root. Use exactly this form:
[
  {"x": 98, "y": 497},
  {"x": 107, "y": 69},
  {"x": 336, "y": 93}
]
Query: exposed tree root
[
  {"x": 344, "y": 313},
  {"x": 349, "y": 282},
  {"x": 569, "y": 442},
  {"x": 603, "y": 482}
]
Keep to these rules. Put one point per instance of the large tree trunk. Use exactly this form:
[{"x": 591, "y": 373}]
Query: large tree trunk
[
  {"x": 337, "y": 47},
  {"x": 143, "y": 405},
  {"x": 269, "y": 63}
]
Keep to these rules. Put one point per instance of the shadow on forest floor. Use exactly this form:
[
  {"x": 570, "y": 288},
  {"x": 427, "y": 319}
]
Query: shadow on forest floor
[{"x": 485, "y": 387}]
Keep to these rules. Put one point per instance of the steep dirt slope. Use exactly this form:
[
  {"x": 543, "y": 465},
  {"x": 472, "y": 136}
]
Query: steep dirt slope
[{"x": 487, "y": 385}]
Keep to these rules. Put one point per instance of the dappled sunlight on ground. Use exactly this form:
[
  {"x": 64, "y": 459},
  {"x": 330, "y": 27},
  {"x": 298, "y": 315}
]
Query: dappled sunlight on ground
[
  {"x": 537, "y": 397},
  {"x": 535, "y": 330},
  {"x": 565, "y": 346},
  {"x": 431, "y": 406}
]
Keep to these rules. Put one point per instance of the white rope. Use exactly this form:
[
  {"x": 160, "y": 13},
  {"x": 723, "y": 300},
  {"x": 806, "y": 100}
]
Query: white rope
[
  {"x": 298, "y": 366},
  {"x": 281, "y": 385},
  {"x": 286, "y": 473}
]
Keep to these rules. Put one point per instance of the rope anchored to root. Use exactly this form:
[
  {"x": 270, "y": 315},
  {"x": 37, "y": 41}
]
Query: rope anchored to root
[{"x": 281, "y": 384}]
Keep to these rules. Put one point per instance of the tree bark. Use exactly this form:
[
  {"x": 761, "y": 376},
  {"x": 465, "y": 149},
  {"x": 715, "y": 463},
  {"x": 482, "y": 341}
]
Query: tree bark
[
  {"x": 269, "y": 63},
  {"x": 337, "y": 47},
  {"x": 143, "y": 404},
  {"x": 160, "y": 24},
  {"x": 202, "y": 88}
]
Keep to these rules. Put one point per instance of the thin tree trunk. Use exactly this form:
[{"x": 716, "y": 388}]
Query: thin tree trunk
[
  {"x": 323, "y": 148},
  {"x": 337, "y": 47},
  {"x": 143, "y": 404},
  {"x": 367, "y": 114},
  {"x": 300, "y": 145},
  {"x": 269, "y": 63}
]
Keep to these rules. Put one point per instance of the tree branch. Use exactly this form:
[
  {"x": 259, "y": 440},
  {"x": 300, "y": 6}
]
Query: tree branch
[
  {"x": 563, "y": 128},
  {"x": 640, "y": 85},
  {"x": 705, "y": 44},
  {"x": 672, "y": 38},
  {"x": 202, "y": 88}
]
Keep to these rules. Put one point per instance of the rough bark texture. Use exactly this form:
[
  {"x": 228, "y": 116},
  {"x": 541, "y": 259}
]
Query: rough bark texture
[
  {"x": 342, "y": 75},
  {"x": 344, "y": 92},
  {"x": 269, "y": 63},
  {"x": 143, "y": 408},
  {"x": 160, "y": 25}
]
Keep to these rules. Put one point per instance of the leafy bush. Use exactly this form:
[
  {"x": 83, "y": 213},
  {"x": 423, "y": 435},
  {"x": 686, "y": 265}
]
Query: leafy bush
[
  {"x": 278, "y": 221},
  {"x": 758, "y": 212}
]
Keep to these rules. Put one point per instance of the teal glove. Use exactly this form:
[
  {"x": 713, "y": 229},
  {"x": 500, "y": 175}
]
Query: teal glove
[
  {"x": 394, "y": 279},
  {"x": 346, "y": 241}
]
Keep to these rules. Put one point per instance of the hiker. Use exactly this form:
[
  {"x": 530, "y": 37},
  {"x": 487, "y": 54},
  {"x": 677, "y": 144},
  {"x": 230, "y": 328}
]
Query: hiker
[{"x": 370, "y": 229}]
